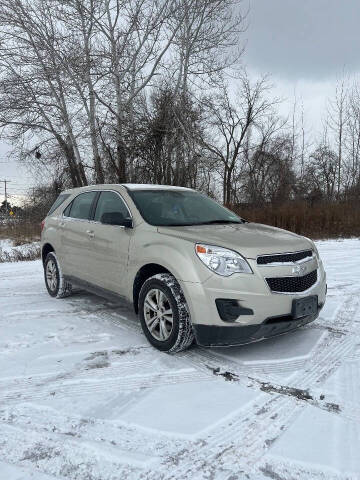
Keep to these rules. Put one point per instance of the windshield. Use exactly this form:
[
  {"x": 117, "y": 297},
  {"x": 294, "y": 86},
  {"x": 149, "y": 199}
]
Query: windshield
[{"x": 180, "y": 207}]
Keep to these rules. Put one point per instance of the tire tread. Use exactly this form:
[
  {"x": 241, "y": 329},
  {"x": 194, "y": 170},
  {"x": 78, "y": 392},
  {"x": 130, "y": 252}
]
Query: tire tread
[
  {"x": 65, "y": 288},
  {"x": 185, "y": 335}
]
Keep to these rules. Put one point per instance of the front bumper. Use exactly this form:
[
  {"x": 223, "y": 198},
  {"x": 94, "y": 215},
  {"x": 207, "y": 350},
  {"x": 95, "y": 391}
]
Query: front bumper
[
  {"x": 264, "y": 313},
  {"x": 212, "y": 335}
]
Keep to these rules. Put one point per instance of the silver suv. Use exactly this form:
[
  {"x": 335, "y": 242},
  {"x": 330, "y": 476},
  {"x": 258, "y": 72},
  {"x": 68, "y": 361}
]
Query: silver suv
[{"x": 191, "y": 268}]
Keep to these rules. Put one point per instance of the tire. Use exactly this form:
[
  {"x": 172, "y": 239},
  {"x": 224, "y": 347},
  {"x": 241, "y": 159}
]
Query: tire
[
  {"x": 168, "y": 336},
  {"x": 55, "y": 284}
]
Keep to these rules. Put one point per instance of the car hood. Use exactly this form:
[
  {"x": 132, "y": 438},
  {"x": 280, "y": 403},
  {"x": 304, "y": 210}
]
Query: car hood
[{"x": 249, "y": 239}]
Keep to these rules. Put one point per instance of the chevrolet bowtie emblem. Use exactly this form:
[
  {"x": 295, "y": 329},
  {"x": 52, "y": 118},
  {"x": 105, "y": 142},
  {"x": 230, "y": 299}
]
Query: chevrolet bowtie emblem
[{"x": 299, "y": 270}]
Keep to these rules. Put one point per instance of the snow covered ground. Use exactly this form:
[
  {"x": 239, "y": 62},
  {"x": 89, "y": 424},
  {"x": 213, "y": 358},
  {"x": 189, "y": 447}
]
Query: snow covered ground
[
  {"x": 11, "y": 253},
  {"x": 83, "y": 396}
]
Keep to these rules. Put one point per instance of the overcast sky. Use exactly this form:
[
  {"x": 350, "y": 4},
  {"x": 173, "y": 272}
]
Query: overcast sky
[
  {"x": 305, "y": 45},
  {"x": 307, "y": 39}
]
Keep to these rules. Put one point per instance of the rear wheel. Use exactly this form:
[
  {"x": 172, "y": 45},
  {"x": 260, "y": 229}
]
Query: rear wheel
[
  {"x": 164, "y": 314},
  {"x": 54, "y": 280}
]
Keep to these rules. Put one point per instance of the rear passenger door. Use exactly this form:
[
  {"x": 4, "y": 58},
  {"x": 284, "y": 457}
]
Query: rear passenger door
[
  {"x": 75, "y": 234},
  {"x": 109, "y": 244}
]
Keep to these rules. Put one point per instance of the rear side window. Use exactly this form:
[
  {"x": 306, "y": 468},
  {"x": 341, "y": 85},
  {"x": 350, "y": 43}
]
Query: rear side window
[
  {"x": 110, "y": 203},
  {"x": 61, "y": 199},
  {"x": 81, "y": 206}
]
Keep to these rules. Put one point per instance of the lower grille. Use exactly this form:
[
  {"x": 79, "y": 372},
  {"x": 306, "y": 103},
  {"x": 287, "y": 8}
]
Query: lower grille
[{"x": 292, "y": 284}]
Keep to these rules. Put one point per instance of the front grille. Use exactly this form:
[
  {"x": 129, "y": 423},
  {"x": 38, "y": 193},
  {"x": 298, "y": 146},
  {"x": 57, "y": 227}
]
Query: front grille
[
  {"x": 292, "y": 284},
  {"x": 284, "y": 257}
]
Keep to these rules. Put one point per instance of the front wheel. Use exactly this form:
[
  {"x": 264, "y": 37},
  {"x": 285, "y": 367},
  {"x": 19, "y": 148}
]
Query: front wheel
[
  {"x": 164, "y": 314},
  {"x": 54, "y": 280}
]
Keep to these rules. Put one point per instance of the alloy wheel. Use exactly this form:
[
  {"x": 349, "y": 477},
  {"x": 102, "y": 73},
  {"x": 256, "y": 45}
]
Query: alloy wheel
[
  {"x": 51, "y": 275},
  {"x": 158, "y": 314}
]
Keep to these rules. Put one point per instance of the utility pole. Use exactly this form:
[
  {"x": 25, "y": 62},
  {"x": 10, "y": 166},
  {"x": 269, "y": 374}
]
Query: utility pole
[{"x": 5, "y": 182}]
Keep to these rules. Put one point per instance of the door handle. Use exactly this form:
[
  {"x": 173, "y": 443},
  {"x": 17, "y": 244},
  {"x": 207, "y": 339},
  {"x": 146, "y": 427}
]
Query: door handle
[
  {"x": 90, "y": 233},
  {"x": 62, "y": 224}
]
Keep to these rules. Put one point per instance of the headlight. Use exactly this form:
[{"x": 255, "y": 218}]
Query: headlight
[
  {"x": 314, "y": 248},
  {"x": 316, "y": 251},
  {"x": 221, "y": 260}
]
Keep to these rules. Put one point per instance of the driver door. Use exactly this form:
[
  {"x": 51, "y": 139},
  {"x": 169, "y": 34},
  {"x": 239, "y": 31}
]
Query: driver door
[{"x": 109, "y": 244}]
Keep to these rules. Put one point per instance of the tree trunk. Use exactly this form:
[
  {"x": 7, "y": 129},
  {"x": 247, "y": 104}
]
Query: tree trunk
[{"x": 121, "y": 158}]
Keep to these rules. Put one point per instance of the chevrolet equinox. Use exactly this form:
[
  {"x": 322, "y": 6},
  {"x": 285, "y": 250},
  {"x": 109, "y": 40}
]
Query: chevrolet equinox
[{"x": 191, "y": 268}]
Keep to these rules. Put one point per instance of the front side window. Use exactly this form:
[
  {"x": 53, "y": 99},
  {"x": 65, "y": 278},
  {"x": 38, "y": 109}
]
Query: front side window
[
  {"x": 110, "y": 208},
  {"x": 81, "y": 206},
  {"x": 180, "y": 207},
  {"x": 66, "y": 212}
]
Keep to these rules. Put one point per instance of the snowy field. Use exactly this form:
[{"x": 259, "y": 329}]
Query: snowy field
[{"x": 83, "y": 396}]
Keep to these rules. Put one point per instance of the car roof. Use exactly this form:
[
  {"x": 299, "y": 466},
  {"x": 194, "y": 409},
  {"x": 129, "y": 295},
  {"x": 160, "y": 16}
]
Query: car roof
[
  {"x": 148, "y": 186},
  {"x": 128, "y": 186}
]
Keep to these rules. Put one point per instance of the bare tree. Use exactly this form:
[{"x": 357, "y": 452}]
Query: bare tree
[
  {"x": 33, "y": 89},
  {"x": 82, "y": 64},
  {"x": 135, "y": 38},
  {"x": 232, "y": 122},
  {"x": 353, "y": 138},
  {"x": 322, "y": 172},
  {"x": 205, "y": 45},
  {"x": 207, "y": 42},
  {"x": 53, "y": 49},
  {"x": 268, "y": 174},
  {"x": 337, "y": 122},
  {"x": 169, "y": 149}
]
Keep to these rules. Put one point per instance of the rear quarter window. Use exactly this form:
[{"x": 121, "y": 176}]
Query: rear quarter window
[
  {"x": 80, "y": 207},
  {"x": 60, "y": 199}
]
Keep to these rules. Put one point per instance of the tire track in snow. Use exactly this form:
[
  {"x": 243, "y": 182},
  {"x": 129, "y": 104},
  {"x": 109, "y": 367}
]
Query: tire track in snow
[
  {"x": 35, "y": 433},
  {"x": 69, "y": 457},
  {"x": 222, "y": 454},
  {"x": 271, "y": 417},
  {"x": 50, "y": 421},
  {"x": 333, "y": 349},
  {"x": 118, "y": 380},
  {"x": 286, "y": 470}
]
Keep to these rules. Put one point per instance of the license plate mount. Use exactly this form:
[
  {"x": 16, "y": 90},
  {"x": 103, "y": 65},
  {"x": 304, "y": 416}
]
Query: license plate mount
[{"x": 303, "y": 307}]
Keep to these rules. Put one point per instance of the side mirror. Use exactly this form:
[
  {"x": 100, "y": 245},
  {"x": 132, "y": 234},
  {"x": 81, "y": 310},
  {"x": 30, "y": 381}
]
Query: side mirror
[
  {"x": 116, "y": 218},
  {"x": 127, "y": 222}
]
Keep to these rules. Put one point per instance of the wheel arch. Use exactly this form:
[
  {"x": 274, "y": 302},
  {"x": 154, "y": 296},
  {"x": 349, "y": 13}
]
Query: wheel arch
[
  {"x": 46, "y": 249},
  {"x": 145, "y": 272}
]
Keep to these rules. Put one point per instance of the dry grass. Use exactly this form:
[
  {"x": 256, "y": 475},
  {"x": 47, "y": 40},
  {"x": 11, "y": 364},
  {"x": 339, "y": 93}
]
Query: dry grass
[
  {"x": 22, "y": 235},
  {"x": 333, "y": 220},
  {"x": 21, "y": 232}
]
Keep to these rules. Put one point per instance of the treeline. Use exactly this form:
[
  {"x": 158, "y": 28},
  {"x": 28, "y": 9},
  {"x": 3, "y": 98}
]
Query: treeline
[
  {"x": 340, "y": 219},
  {"x": 152, "y": 91}
]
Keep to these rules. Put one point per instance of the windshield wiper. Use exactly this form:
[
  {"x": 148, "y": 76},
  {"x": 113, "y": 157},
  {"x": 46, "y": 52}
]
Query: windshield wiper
[
  {"x": 179, "y": 225},
  {"x": 210, "y": 222}
]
